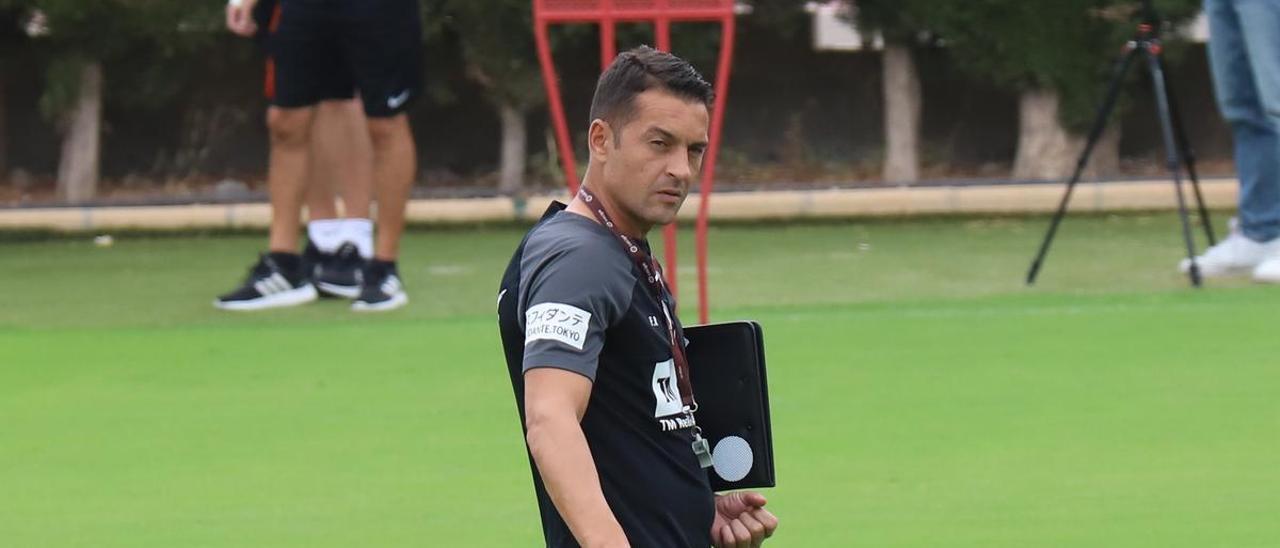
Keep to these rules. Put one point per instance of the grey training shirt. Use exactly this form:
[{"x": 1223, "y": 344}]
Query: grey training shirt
[{"x": 572, "y": 299}]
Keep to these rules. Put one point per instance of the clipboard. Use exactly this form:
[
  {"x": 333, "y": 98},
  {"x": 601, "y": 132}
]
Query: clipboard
[{"x": 727, "y": 370}]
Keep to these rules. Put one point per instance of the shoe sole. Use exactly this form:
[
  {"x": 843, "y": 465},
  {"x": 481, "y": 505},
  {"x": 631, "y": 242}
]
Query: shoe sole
[
  {"x": 344, "y": 291},
  {"x": 292, "y": 297},
  {"x": 1230, "y": 272},
  {"x": 1265, "y": 279},
  {"x": 396, "y": 301}
]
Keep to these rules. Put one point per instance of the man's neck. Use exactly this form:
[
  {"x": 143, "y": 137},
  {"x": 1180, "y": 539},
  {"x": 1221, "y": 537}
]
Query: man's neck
[{"x": 620, "y": 222}]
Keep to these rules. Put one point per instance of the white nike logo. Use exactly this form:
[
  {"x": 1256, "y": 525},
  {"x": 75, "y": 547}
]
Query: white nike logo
[
  {"x": 395, "y": 102},
  {"x": 500, "y": 294}
]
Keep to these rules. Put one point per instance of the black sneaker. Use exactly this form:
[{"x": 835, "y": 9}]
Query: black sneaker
[
  {"x": 381, "y": 289},
  {"x": 339, "y": 273},
  {"x": 312, "y": 258},
  {"x": 271, "y": 283}
]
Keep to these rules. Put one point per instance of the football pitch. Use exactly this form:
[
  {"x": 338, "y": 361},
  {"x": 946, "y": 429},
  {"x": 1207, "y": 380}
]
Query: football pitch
[{"x": 921, "y": 395}]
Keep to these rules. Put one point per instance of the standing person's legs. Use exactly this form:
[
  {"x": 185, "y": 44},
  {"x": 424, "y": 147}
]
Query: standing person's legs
[
  {"x": 1233, "y": 58},
  {"x": 341, "y": 161},
  {"x": 395, "y": 161},
  {"x": 1241, "y": 50},
  {"x": 383, "y": 41},
  {"x": 1259, "y": 22},
  {"x": 290, "y": 129},
  {"x": 1260, "y": 25},
  {"x": 341, "y": 165},
  {"x": 279, "y": 278},
  {"x": 266, "y": 13},
  {"x": 290, "y": 117},
  {"x": 300, "y": 75}
]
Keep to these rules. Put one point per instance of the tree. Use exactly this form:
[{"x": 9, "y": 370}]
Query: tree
[
  {"x": 895, "y": 20},
  {"x": 85, "y": 36},
  {"x": 496, "y": 39},
  {"x": 1057, "y": 54}
]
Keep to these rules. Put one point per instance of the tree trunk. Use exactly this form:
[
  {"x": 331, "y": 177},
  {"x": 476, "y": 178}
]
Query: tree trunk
[
  {"x": 901, "y": 115},
  {"x": 1046, "y": 150},
  {"x": 514, "y": 155},
  {"x": 78, "y": 165}
]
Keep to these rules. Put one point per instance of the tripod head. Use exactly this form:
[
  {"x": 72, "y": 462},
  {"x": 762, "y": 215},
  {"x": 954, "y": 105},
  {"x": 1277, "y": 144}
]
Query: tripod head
[{"x": 1148, "y": 29}]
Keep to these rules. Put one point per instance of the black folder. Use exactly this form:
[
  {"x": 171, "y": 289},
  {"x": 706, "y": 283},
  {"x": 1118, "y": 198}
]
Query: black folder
[{"x": 726, "y": 366}]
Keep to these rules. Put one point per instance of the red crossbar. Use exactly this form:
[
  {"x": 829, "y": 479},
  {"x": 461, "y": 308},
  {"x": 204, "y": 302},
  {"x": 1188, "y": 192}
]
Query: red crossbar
[
  {"x": 589, "y": 11},
  {"x": 661, "y": 13}
]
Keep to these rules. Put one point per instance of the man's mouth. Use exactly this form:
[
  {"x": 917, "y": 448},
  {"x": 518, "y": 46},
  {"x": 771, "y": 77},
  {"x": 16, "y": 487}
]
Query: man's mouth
[{"x": 673, "y": 193}]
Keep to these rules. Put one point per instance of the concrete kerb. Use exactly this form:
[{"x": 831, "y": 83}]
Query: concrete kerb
[{"x": 763, "y": 205}]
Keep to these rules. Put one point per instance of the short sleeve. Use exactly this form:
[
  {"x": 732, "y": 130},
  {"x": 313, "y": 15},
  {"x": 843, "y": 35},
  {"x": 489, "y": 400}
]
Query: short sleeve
[{"x": 572, "y": 290}]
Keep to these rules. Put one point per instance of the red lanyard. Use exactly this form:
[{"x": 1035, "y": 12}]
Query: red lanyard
[{"x": 657, "y": 287}]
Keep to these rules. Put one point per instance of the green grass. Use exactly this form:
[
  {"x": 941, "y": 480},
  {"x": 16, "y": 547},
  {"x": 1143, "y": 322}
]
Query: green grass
[{"x": 921, "y": 395}]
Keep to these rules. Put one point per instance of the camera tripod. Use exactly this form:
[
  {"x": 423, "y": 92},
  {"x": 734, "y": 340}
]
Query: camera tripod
[{"x": 1147, "y": 45}]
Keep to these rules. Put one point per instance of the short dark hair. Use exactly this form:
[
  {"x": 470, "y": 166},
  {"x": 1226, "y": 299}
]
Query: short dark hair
[{"x": 638, "y": 70}]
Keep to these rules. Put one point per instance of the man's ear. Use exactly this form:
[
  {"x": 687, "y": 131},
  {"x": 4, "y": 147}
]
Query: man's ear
[{"x": 600, "y": 138}]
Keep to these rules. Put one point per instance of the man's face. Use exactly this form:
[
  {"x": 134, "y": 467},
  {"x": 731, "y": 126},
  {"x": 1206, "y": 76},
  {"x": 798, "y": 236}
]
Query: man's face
[{"x": 652, "y": 160}]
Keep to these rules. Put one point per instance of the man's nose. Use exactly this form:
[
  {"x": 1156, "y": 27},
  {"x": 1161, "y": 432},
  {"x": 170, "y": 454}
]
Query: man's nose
[{"x": 679, "y": 167}]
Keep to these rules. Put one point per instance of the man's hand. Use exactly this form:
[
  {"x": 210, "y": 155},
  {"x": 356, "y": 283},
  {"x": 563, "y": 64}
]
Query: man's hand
[
  {"x": 741, "y": 521},
  {"x": 240, "y": 17}
]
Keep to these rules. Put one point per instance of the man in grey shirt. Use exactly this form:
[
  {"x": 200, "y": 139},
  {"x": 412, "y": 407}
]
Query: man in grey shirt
[{"x": 588, "y": 329}]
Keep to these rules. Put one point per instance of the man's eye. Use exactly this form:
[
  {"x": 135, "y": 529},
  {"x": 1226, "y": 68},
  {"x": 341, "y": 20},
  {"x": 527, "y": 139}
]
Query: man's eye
[{"x": 658, "y": 144}]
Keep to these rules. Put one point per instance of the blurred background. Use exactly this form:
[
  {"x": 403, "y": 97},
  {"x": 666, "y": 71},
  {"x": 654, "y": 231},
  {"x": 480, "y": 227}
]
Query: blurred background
[{"x": 153, "y": 101}]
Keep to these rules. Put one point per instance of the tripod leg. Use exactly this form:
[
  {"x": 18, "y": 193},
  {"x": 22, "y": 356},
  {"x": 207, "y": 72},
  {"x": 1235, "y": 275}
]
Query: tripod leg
[
  {"x": 1099, "y": 125},
  {"x": 1188, "y": 157},
  {"x": 1172, "y": 159}
]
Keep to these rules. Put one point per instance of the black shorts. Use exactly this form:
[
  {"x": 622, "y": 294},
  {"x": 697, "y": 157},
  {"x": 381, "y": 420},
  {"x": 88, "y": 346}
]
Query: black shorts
[
  {"x": 323, "y": 50},
  {"x": 264, "y": 15}
]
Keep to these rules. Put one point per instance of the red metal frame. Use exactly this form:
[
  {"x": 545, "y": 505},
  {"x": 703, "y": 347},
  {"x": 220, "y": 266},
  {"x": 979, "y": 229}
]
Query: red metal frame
[{"x": 661, "y": 13}]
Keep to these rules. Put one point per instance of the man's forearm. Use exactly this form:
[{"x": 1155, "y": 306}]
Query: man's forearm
[{"x": 564, "y": 460}]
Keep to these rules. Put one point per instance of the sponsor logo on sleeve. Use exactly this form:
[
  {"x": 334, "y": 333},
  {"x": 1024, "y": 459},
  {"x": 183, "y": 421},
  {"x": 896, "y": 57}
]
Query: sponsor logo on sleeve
[{"x": 557, "y": 322}]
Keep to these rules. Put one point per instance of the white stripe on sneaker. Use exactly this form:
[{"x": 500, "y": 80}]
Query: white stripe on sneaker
[
  {"x": 275, "y": 283},
  {"x": 391, "y": 286},
  {"x": 282, "y": 284}
]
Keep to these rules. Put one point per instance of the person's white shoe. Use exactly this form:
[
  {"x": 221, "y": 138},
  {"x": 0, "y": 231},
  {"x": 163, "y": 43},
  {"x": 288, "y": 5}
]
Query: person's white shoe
[
  {"x": 1268, "y": 271},
  {"x": 1237, "y": 254}
]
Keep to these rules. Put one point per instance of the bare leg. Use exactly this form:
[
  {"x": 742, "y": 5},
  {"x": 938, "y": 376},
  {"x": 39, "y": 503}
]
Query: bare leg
[
  {"x": 287, "y": 173},
  {"x": 395, "y": 161},
  {"x": 321, "y": 191},
  {"x": 341, "y": 161},
  {"x": 321, "y": 204}
]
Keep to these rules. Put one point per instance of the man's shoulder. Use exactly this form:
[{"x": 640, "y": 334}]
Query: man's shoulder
[
  {"x": 573, "y": 237},
  {"x": 572, "y": 255}
]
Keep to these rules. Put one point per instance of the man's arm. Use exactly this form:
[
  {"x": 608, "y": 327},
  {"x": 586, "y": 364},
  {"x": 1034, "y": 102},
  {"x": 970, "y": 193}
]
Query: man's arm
[{"x": 554, "y": 402}]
